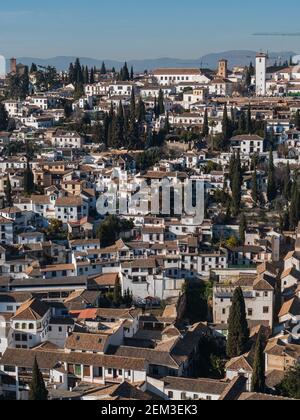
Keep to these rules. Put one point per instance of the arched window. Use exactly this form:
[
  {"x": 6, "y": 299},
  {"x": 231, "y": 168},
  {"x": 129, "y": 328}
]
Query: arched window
[
  {"x": 17, "y": 326},
  {"x": 24, "y": 326},
  {"x": 31, "y": 326}
]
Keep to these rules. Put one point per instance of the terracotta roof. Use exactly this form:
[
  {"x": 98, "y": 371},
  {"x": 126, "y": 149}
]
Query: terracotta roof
[
  {"x": 32, "y": 310},
  {"x": 86, "y": 342},
  {"x": 291, "y": 307},
  {"x": 209, "y": 386}
]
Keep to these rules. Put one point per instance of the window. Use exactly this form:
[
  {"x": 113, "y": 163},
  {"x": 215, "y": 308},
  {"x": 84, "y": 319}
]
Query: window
[
  {"x": 31, "y": 326},
  {"x": 183, "y": 396},
  {"x": 266, "y": 310},
  {"x": 77, "y": 370},
  {"x": 170, "y": 395},
  {"x": 250, "y": 312}
]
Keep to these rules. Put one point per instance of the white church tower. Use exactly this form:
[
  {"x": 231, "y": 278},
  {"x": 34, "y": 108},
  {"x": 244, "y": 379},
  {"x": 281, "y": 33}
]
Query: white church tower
[{"x": 261, "y": 74}]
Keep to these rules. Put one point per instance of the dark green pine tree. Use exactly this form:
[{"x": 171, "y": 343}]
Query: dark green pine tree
[
  {"x": 297, "y": 120},
  {"x": 33, "y": 68},
  {"x": 28, "y": 180},
  {"x": 103, "y": 69},
  {"x": 259, "y": 375},
  {"x": 3, "y": 118},
  {"x": 117, "y": 293},
  {"x": 242, "y": 123},
  {"x": 141, "y": 111},
  {"x": 118, "y": 139},
  {"x": 243, "y": 228},
  {"x": 238, "y": 331},
  {"x": 8, "y": 193},
  {"x": 38, "y": 391},
  {"x": 294, "y": 207},
  {"x": 72, "y": 75},
  {"x": 131, "y": 74},
  {"x": 226, "y": 126},
  {"x": 161, "y": 103},
  {"x": 236, "y": 182},
  {"x": 287, "y": 183},
  {"x": 272, "y": 188},
  {"x": 92, "y": 76},
  {"x": 86, "y": 75},
  {"x": 125, "y": 73},
  {"x": 254, "y": 191},
  {"x": 205, "y": 128},
  {"x": 249, "y": 124}
]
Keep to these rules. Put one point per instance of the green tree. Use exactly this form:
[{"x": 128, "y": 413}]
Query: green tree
[
  {"x": 103, "y": 69},
  {"x": 205, "y": 129},
  {"x": 29, "y": 187},
  {"x": 259, "y": 376},
  {"x": 294, "y": 207},
  {"x": 33, "y": 68},
  {"x": 238, "y": 332},
  {"x": 8, "y": 193},
  {"x": 254, "y": 191},
  {"x": 236, "y": 185},
  {"x": 3, "y": 118},
  {"x": 272, "y": 188},
  {"x": 290, "y": 386},
  {"x": 287, "y": 183},
  {"x": 38, "y": 391},
  {"x": 161, "y": 103},
  {"x": 242, "y": 228},
  {"x": 297, "y": 120},
  {"x": 249, "y": 125},
  {"x": 226, "y": 126}
]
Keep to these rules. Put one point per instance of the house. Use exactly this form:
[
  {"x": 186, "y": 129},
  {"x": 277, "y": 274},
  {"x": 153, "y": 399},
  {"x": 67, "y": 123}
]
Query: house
[
  {"x": 71, "y": 209},
  {"x": 177, "y": 76},
  {"x": 247, "y": 144},
  {"x": 183, "y": 389},
  {"x": 67, "y": 140},
  {"x": 30, "y": 324},
  {"x": 60, "y": 367},
  {"x": 259, "y": 299}
]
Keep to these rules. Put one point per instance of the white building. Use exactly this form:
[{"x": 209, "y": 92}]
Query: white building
[
  {"x": 176, "y": 76},
  {"x": 70, "y": 140},
  {"x": 261, "y": 74}
]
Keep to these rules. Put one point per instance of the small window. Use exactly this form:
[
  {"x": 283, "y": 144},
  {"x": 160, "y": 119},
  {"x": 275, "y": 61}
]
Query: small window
[{"x": 170, "y": 395}]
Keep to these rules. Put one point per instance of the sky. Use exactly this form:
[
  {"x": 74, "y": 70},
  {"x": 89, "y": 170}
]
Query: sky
[{"x": 133, "y": 29}]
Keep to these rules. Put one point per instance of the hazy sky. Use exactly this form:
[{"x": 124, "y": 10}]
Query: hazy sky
[{"x": 128, "y": 29}]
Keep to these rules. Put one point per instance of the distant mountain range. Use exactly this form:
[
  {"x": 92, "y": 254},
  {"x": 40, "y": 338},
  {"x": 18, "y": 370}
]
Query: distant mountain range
[{"x": 235, "y": 58}]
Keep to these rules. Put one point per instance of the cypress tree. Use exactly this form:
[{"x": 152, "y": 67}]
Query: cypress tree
[
  {"x": 131, "y": 74},
  {"x": 254, "y": 192},
  {"x": 205, "y": 129},
  {"x": 242, "y": 123},
  {"x": 236, "y": 185},
  {"x": 258, "y": 376},
  {"x": 249, "y": 126},
  {"x": 3, "y": 118},
  {"x": 28, "y": 180},
  {"x": 103, "y": 69},
  {"x": 38, "y": 391},
  {"x": 272, "y": 190},
  {"x": 33, "y": 68},
  {"x": 238, "y": 332},
  {"x": 8, "y": 193},
  {"x": 287, "y": 183},
  {"x": 161, "y": 104},
  {"x": 141, "y": 111},
  {"x": 294, "y": 207},
  {"x": 226, "y": 126},
  {"x": 297, "y": 120},
  {"x": 92, "y": 76},
  {"x": 242, "y": 228},
  {"x": 125, "y": 73}
]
